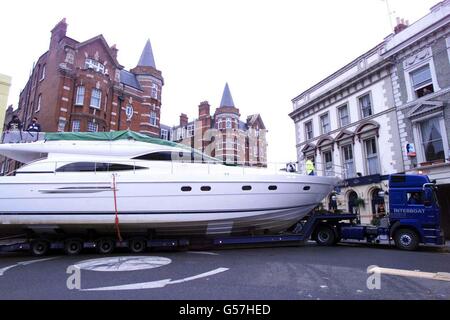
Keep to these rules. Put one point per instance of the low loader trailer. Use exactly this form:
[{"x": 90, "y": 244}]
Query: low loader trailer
[{"x": 413, "y": 218}]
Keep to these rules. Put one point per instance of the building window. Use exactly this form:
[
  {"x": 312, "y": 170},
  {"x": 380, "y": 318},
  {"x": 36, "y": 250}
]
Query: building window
[
  {"x": 43, "y": 73},
  {"x": 349, "y": 163},
  {"x": 344, "y": 118},
  {"x": 309, "y": 130},
  {"x": 39, "y": 103},
  {"x": 180, "y": 133},
  {"x": 154, "y": 91},
  {"x": 371, "y": 156},
  {"x": 76, "y": 126},
  {"x": 325, "y": 123},
  {"x": 327, "y": 157},
  {"x": 365, "y": 104},
  {"x": 92, "y": 126},
  {"x": 94, "y": 65},
  {"x": 228, "y": 123},
  {"x": 432, "y": 143},
  {"x": 96, "y": 98},
  {"x": 61, "y": 125},
  {"x": 190, "y": 130},
  {"x": 153, "y": 118},
  {"x": 164, "y": 134},
  {"x": 422, "y": 82},
  {"x": 79, "y": 100}
]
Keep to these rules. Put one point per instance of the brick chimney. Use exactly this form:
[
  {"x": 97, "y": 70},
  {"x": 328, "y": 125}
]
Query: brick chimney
[
  {"x": 58, "y": 32},
  {"x": 183, "y": 120},
  {"x": 114, "y": 51},
  {"x": 203, "y": 109},
  {"x": 401, "y": 25}
]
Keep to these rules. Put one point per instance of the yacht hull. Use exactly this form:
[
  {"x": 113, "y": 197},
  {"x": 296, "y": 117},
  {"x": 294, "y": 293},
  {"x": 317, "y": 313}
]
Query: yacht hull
[{"x": 160, "y": 207}]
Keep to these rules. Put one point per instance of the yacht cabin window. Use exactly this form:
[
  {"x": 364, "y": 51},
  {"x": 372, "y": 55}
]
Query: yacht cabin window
[{"x": 96, "y": 167}]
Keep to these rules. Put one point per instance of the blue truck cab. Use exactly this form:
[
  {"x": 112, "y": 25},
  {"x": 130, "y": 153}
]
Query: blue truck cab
[
  {"x": 414, "y": 216},
  {"x": 414, "y": 213}
]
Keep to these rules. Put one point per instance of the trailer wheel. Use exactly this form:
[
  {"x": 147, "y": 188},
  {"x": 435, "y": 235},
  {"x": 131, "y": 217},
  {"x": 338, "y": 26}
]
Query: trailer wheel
[
  {"x": 406, "y": 239},
  {"x": 138, "y": 245},
  {"x": 39, "y": 247},
  {"x": 105, "y": 245},
  {"x": 325, "y": 236},
  {"x": 73, "y": 246}
]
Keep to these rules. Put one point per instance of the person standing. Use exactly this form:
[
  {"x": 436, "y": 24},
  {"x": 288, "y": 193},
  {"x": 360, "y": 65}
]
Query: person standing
[
  {"x": 15, "y": 124},
  {"x": 34, "y": 126}
]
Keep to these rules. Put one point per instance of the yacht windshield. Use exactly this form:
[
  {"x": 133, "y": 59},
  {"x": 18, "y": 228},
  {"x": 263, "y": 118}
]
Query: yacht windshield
[{"x": 190, "y": 156}]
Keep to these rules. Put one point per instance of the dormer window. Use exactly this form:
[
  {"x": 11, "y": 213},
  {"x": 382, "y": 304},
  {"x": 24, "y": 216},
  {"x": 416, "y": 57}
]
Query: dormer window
[{"x": 94, "y": 65}]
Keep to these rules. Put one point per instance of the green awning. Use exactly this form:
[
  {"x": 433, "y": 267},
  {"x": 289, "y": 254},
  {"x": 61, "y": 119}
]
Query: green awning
[{"x": 109, "y": 136}]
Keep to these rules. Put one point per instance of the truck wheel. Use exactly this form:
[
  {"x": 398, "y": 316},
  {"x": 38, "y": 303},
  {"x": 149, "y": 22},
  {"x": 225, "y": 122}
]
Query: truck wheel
[
  {"x": 325, "y": 236},
  {"x": 406, "y": 239},
  {"x": 105, "y": 245},
  {"x": 137, "y": 245},
  {"x": 39, "y": 247},
  {"x": 73, "y": 246}
]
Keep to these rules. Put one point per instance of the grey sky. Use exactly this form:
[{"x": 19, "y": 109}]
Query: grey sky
[{"x": 267, "y": 51}]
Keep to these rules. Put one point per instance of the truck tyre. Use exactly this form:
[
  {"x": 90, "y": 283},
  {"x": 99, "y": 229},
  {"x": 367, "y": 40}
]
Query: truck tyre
[
  {"x": 39, "y": 247},
  {"x": 406, "y": 239},
  {"x": 73, "y": 246},
  {"x": 137, "y": 245},
  {"x": 325, "y": 236},
  {"x": 105, "y": 245}
]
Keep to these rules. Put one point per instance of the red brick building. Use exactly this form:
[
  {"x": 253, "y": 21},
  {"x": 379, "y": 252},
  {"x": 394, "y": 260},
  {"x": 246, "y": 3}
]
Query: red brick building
[
  {"x": 223, "y": 135},
  {"x": 81, "y": 86}
]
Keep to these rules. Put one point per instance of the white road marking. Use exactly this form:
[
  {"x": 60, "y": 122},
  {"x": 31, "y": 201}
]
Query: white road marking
[
  {"x": 204, "y": 252},
  {"x": 23, "y": 263},
  {"x": 202, "y": 275},
  {"x": 156, "y": 284},
  {"x": 442, "y": 276},
  {"x": 127, "y": 263}
]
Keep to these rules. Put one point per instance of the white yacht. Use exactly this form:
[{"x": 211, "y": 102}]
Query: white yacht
[{"x": 68, "y": 184}]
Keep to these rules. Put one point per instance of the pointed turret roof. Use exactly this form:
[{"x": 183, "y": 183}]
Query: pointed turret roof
[
  {"x": 227, "y": 99},
  {"x": 147, "y": 59}
]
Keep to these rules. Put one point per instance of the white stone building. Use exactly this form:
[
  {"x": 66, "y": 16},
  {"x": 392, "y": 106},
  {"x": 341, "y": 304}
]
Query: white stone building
[{"x": 353, "y": 122}]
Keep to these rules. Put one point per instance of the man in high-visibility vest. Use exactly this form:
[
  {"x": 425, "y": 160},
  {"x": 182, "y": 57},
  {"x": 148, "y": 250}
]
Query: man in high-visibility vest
[{"x": 310, "y": 167}]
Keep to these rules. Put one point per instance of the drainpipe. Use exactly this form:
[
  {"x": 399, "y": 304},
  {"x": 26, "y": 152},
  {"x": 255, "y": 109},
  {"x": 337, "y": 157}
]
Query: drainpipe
[{"x": 121, "y": 99}]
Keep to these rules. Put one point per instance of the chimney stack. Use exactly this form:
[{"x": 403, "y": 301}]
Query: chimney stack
[
  {"x": 401, "y": 25},
  {"x": 58, "y": 32},
  {"x": 183, "y": 120},
  {"x": 203, "y": 109},
  {"x": 114, "y": 50}
]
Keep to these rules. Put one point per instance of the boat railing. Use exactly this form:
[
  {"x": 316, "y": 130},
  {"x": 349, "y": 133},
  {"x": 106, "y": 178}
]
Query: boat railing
[
  {"x": 22, "y": 136},
  {"x": 300, "y": 167},
  {"x": 179, "y": 166}
]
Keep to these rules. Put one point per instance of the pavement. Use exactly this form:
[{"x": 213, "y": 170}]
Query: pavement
[{"x": 347, "y": 271}]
